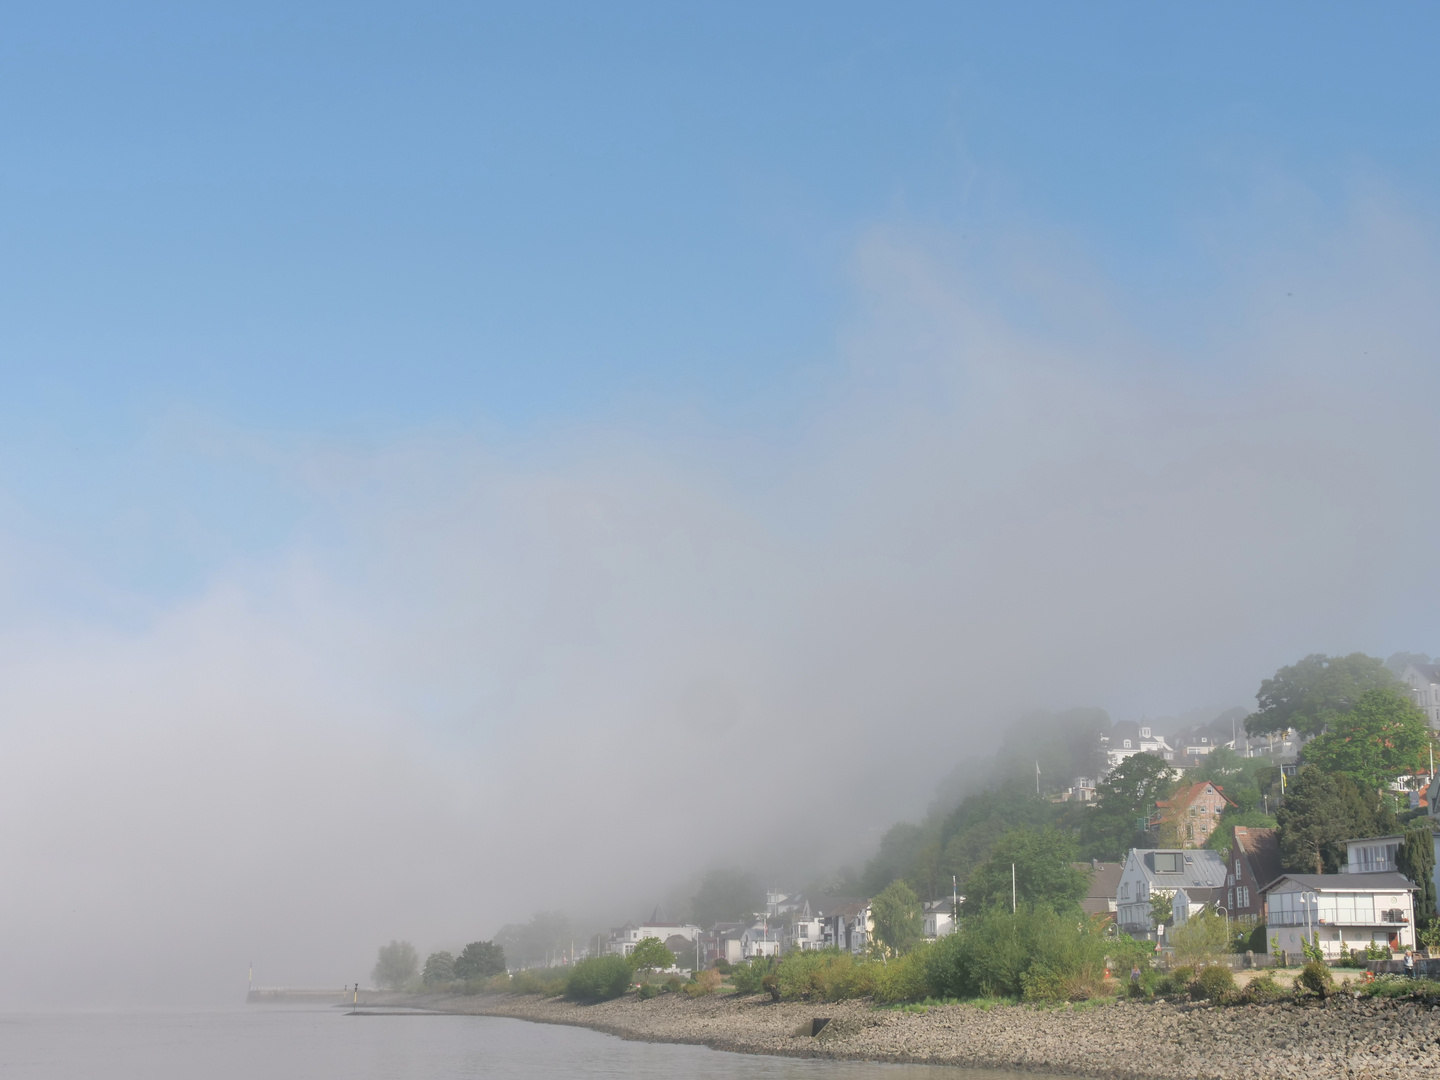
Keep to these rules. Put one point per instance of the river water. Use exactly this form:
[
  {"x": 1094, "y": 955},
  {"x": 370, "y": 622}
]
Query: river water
[{"x": 324, "y": 1044}]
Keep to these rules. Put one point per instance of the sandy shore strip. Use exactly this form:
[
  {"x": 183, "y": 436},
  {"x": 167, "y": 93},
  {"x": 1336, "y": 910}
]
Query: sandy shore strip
[{"x": 1367, "y": 1039}]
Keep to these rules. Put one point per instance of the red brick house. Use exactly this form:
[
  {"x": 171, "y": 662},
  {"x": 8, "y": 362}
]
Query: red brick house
[
  {"x": 1190, "y": 816},
  {"x": 1254, "y": 863}
]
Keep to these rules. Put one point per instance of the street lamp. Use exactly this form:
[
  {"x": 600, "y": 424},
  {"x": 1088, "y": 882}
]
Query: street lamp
[
  {"x": 1222, "y": 907},
  {"x": 1316, "y": 897}
]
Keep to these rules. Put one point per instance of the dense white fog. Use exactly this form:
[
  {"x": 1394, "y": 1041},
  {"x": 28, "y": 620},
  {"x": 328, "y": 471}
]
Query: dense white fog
[{"x": 495, "y": 674}]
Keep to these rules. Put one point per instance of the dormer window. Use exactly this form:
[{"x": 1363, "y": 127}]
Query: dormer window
[
  {"x": 1127, "y": 744},
  {"x": 1144, "y": 733}
]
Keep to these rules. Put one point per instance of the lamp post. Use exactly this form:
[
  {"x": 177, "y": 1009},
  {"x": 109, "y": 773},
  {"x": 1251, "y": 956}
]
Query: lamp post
[
  {"x": 1222, "y": 907},
  {"x": 1316, "y": 897}
]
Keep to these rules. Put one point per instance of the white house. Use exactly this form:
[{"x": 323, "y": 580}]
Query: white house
[
  {"x": 1191, "y": 878},
  {"x": 804, "y": 930},
  {"x": 1341, "y": 911},
  {"x": 624, "y": 939},
  {"x": 939, "y": 917},
  {"x": 1424, "y": 683},
  {"x": 1127, "y": 738},
  {"x": 847, "y": 925},
  {"x": 1376, "y": 854},
  {"x": 759, "y": 940}
]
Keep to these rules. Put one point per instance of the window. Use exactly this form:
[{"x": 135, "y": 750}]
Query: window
[
  {"x": 1167, "y": 862},
  {"x": 1127, "y": 744}
]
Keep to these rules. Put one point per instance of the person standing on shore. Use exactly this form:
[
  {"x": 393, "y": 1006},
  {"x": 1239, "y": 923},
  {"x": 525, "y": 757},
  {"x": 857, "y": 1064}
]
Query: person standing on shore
[{"x": 1409, "y": 964}]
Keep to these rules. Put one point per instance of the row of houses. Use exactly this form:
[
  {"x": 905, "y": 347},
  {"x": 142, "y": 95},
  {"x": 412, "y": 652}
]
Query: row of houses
[
  {"x": 1370, "y": 903},
  {"x": 790, "y": 921}
]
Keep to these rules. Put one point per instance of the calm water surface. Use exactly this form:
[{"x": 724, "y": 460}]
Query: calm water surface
[{"x": 324, "y": 1044}]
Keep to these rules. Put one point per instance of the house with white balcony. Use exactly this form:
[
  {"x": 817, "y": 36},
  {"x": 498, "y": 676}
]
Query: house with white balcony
[
  {"x": 1375, "y": 854},
  {"x": 1340, "y": 912}
]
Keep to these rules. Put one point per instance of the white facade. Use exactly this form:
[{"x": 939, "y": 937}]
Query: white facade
[
  {"x": 1424, "y": 683},
  {"x": 1128, "y": 739},
  {"x": 1165, "y": 872},
  {"x": 939, "y": 918},
  {"x": 758, "y": 941},
  {"x": 623, "y": 941},
  {"x": 1376, "y": 854},
  {"x": 1341, "y": 911}
]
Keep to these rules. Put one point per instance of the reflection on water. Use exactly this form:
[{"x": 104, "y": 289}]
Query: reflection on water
[{"x": 323, "y": 1044}]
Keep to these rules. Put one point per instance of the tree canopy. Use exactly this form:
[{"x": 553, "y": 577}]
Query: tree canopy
[
  {"x": 1322, "y": 810},
  {"x": 1416, "y": 860},
  {"x": 439, "y": 969},
  {"x": 1309, "y": 694},
  {"x": 395, "y": 966},
  {"x": 899, "y": 921},
  {"x": 480, "y": 960},
  {"x": 1044, "y": 872},
  {"x": 1383, "y": 736},
  {"x": 651, "y": 954},
  {"x": 1124, "y": 800}
]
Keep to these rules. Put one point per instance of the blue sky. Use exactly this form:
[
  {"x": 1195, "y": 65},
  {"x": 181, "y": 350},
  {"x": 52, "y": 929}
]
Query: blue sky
[
  {"x": 354, "y": 221},
  {"x": 449, "y": 403}
]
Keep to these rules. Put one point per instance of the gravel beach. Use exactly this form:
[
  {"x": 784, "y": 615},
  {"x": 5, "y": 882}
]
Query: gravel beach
[{"x": 1340, "y": 1037}]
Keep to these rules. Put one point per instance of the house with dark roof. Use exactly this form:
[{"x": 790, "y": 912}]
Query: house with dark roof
[
  {"x": 1100, "y": 898},
  {"x": 1340, "y": 912},
  {"x": 1254, "y": 863}
]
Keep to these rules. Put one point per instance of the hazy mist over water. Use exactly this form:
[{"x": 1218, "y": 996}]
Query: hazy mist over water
[{"x": 435, "y": 667}]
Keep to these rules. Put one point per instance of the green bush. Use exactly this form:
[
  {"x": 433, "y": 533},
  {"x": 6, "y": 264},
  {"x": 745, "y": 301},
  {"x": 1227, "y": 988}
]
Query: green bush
[
  {"x": 1034, "y": 953},
  {"x": 1176, "y": 981},
  {"x": 1212, "y": 983},
  {"x": 673, "y": 984},
  {"x": 747, "y": 977},
  {"x": 722, "y": 965},
  {"x": 905, "y": 978},
  {"x": 823, "y": 975},
  {"x": 598, "y": 978},
  {"x": 1262, "y": 990},
  {"x": 1258, "y": 940},
  {"x": 648, "y": 991},
  {"x": 1316, "y": 978}
]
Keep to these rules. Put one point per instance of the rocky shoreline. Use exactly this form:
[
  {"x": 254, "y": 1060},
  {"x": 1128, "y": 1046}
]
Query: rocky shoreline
[{"x": 1370, "y": 1039}]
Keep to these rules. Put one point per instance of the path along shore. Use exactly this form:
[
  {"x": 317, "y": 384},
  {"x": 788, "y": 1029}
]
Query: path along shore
[{"x": 1369, "y": 1039}]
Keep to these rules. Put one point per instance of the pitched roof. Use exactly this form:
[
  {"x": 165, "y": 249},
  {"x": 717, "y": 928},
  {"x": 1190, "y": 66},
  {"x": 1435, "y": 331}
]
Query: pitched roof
[
  {"x": 1431, "y": 672},
  {"x": 1262, "y": 850},
  {"x": 1104, "y": 885},
  {"x": 1385, "y": 879},
  {"x": 1186, "y": 795}
]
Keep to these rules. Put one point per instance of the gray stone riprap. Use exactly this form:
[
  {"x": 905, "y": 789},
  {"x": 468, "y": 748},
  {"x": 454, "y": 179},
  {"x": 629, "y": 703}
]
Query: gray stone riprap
[{"x": 1341, "y": 1037}]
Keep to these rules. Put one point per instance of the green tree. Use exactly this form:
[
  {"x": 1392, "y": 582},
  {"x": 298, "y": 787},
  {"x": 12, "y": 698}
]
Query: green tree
[
  {"x": 1223, "y": 838},
  {"x": 1416, "y": 860},
  {"x": 727, "y": 895},
  {"x": 899, "y": 921},
  {"x": 1204, "y": 936},
  {"x": 439, "y": 968},
  {"x": 1308, "y": 695},
  {"x": 1162, "y": 909},
  {"x": 1384, "y": 735},
  {"x": 1044, "y": 873},
  {"x": 1125, "y": 799},
  {"x": 480, "y": 960},
  {"x": 650, "y": 954},
  {"x": 1321, "y": 811},
  {"x": 396, "y": 965}
]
